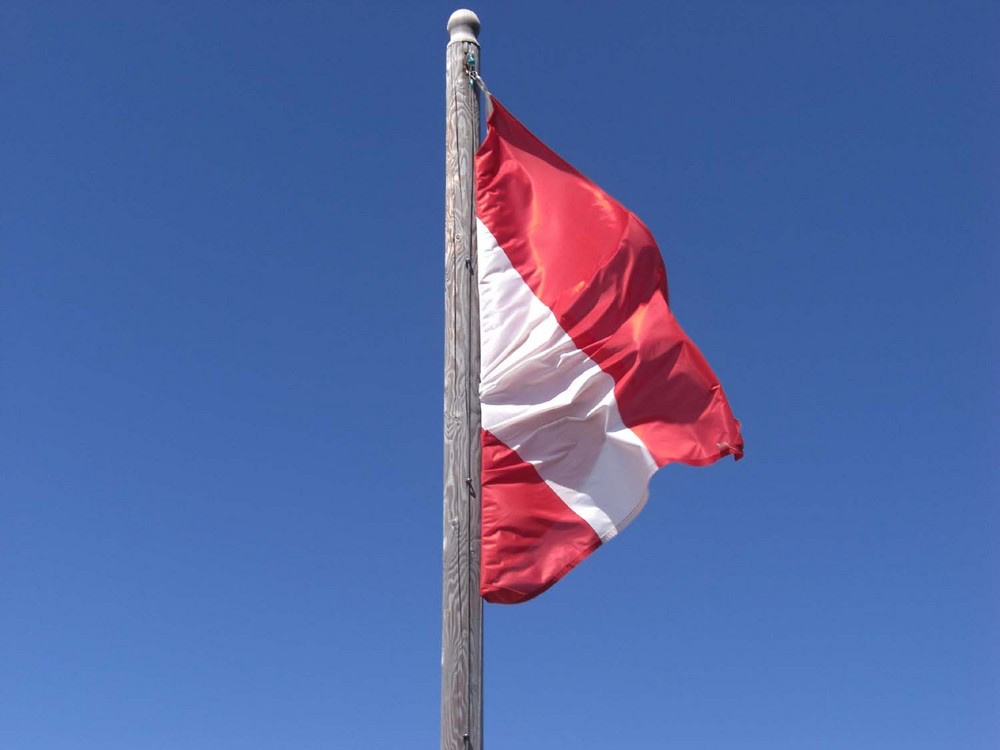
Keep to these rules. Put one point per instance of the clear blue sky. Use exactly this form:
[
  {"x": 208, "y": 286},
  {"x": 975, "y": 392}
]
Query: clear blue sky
[{"x": 220, "y": 376}]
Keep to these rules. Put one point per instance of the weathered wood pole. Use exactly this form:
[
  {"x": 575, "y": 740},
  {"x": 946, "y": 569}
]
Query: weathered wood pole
[{"x": 462, "y": 609}]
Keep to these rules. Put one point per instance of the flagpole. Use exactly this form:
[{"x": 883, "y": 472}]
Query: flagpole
[{"x": 461, "y": 606}]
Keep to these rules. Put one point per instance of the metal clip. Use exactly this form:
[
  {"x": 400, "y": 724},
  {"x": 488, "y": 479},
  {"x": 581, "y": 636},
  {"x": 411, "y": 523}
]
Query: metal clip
[{"x": 470, "y": 69}]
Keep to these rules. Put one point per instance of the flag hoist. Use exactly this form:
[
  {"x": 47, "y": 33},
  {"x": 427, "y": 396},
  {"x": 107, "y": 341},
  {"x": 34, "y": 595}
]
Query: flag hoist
[{"x": 568, "y": 381}]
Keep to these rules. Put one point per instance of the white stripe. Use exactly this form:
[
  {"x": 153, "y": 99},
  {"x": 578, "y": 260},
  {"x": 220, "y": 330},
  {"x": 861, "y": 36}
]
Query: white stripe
[{"x": 547, "y": 400}]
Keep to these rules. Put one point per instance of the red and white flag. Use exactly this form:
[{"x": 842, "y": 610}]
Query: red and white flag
[{"x": 588, "y": 384}]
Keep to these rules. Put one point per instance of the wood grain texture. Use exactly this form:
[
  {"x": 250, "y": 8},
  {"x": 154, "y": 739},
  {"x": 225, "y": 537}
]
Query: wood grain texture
[{"x": 462, "y": 611}]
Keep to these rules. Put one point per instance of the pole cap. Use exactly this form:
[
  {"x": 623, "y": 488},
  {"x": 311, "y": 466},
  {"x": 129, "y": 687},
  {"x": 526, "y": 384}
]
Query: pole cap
[{"x": 463, "y": 25}]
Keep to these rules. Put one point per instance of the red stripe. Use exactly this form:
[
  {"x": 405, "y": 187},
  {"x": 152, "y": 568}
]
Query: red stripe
[
  {"x": 530, "y": 537},
  {"x": 597, "y": 267}
]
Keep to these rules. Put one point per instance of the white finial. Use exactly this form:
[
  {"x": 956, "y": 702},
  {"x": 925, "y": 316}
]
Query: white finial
[{"x": 463, "y": 26}]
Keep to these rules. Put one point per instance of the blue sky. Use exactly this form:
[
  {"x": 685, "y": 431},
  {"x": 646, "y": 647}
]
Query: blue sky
[{"x": 220, "y": 376}]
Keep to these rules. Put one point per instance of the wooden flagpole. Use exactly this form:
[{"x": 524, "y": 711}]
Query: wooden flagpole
[{"x": 461, "y": 606}]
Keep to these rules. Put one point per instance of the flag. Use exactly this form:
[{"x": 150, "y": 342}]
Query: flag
[{"x": 588, "y": 384}]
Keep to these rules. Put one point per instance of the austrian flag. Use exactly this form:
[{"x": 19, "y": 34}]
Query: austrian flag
[{"x": 588, "y": 384}]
